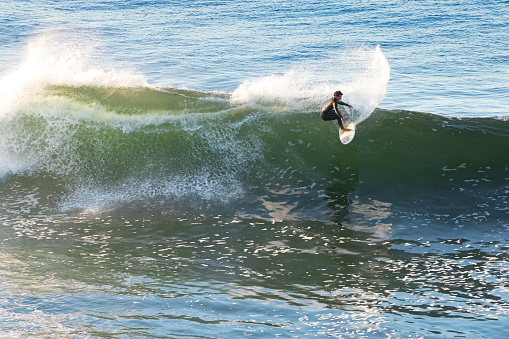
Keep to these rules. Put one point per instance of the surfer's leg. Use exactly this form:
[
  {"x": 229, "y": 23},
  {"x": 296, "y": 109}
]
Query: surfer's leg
[{"x": 328, "y": 115}]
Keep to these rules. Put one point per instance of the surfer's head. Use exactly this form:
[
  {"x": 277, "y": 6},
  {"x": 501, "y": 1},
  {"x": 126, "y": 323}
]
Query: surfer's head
[{"x": 338, "y": 94}]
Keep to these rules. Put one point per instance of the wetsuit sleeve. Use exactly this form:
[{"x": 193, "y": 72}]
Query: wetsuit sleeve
[{"x": 343, "y": 103}]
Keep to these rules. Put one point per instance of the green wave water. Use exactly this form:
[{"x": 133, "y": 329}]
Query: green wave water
[{"x": 111, "y": 148}]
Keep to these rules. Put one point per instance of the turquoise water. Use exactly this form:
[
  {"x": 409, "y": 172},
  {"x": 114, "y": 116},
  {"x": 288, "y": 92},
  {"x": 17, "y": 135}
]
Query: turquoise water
[{"x": 165, "y": 173}]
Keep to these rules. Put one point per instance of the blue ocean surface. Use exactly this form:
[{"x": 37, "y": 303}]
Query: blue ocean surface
[{"x": 164, "y": 171}]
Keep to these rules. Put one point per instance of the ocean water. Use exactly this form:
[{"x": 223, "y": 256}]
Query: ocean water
[{"x": 164, "y": 171}]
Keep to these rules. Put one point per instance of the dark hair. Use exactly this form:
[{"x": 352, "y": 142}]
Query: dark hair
[{"x": 337, "y": 93}]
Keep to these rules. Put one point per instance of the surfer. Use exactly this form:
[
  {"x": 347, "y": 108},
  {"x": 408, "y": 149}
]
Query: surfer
[{"x": 330, "y": 110}]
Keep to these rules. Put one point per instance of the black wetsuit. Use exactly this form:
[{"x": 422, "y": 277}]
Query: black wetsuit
[{"x": 331, "y": 112}]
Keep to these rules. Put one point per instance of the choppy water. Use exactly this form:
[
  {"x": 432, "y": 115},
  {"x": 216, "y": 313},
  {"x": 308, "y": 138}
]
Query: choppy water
[{"x": 164, "y": 172}]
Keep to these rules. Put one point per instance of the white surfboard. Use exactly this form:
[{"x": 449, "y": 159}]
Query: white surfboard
[{"x": 349, "y": 132}]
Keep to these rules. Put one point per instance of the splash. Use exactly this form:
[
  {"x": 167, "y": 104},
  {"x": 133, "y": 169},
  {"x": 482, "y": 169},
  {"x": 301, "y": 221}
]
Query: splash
[
  {"x": 361, "y": 74},
  {"x": 59, "y": 58},
  {"x": 50, "y": 58}
]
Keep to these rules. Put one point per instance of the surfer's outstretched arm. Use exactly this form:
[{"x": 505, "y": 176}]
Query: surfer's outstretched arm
[{"x": 345, "y": 104}]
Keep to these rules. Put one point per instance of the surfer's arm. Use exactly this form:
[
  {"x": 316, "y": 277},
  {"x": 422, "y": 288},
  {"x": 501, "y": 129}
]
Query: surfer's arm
[{"x": 344, "y": 104}]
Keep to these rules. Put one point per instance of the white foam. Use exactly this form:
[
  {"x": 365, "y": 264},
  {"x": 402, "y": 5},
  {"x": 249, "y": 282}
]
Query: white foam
[
  {"x": 198, "y": 188},
  {"x": 59, "y": 58},
  {"x": 54, "y": 58},
  {"x": 361, "y": 74}
]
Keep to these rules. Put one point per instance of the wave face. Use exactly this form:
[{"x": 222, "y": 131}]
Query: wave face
[{"x": 104, "y": 148}]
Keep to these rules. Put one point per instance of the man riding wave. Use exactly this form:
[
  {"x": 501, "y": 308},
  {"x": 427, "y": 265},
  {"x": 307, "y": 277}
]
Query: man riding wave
[{"x": 330, "y": 110}]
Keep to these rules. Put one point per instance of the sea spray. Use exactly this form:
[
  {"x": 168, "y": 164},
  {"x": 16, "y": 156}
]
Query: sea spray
[
  {"x": 51, "y": 58},
  {"x": 59, "y": 58},
  {"x": 361, "y": 74}
]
